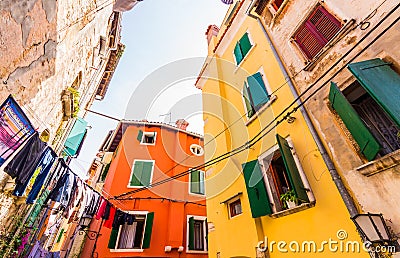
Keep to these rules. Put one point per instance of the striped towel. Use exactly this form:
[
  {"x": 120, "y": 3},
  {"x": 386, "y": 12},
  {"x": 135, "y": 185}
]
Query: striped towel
[{"x": 227, "y": 1}]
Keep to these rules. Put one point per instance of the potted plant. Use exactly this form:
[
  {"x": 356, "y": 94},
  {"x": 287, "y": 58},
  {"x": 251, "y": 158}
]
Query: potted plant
[{"x": 289, "y": 199}]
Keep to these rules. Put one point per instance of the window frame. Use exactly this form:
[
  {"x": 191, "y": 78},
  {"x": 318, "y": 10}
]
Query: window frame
[
  {"x": 190, "y": 183},
  {"x": 142, "y": 142},
  {"x": 205, "y": 230},
  {"x": 230, "y": 202},
  {"x": 244, "y": 57},
  {"x": 194, "y": 145},
  {"x": 132, "y": 171},
  {"x": 269, "y": 185},
  {"x": 134, "y": 250}
]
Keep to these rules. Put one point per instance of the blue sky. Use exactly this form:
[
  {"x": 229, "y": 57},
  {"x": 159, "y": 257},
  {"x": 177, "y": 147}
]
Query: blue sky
[{"x": 156, "y": 33}]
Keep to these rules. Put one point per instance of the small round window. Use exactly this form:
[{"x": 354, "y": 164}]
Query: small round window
[{"x": 196, "y": 149}]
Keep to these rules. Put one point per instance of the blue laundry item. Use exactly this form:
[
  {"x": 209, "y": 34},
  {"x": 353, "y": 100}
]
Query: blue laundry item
[{"x": 46, "y": 164}]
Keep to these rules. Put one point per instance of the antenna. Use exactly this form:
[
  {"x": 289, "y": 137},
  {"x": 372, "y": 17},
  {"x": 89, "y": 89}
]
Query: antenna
[{"x": 170, "y": 117}]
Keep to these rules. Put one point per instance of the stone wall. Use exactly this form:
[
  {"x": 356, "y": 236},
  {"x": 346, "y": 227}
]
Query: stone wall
[
  {"x": 374, "y": 184},
  {"x": 47, "y": 46}
]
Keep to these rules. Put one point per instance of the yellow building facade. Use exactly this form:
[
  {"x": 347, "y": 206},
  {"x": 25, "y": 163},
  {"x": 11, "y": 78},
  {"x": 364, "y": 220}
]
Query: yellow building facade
[{"x": 269, "y": 192}]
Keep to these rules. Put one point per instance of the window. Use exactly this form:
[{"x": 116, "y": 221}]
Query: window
[
  {"x": 242, "y": 47},
  {"x": 318, "y": 29},
  {"x": 255, "y": 94},
  {"x": 197, "y": 233},
  {"x": 276, "y": 4},
  {"x": 272, "y": 176},
  {"x": 196, "y": 149},
  {"x": 197, "y": 182},
  {"x": 235, "y": 208},
  {"x": 134, "y": 235},
  {"x": 142, "y": 172},
  {"x": 147, "y": 138},
  {"x": 369, "y": 107}
]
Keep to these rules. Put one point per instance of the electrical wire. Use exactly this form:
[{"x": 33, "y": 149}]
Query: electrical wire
[{"x": 263, "y": 133}]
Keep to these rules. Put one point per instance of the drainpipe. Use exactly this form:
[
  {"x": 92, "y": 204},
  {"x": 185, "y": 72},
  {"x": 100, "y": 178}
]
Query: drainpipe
[{"x": 348, "y": 201}]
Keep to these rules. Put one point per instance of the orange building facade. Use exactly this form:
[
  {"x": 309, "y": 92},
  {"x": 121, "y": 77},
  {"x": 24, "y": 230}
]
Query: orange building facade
[{"x": 169, "y": 218}]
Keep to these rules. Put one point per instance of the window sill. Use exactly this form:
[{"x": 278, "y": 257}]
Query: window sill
[
  {"x": 126, "y": 250},
  {"x": 197, "y": 194},
  {"x": 148, "y": 144},
  {"x": 301, "y": 207},
  {"x": 196, "y": 252},
  {"x": 261, "y": 110},
  {"x": 238, "y": 66},
  {"x": 310, "y": 64},
  {"x": 387, "y": 162},
  {"x": 132, "y": 186}
]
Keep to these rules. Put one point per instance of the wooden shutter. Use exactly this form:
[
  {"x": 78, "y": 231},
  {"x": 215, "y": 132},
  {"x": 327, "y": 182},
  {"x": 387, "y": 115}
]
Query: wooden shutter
[
  {"x": 258, "y": 92},
  {"x": 257, "y": 194},
  {"x": 113, "y": 238},
  {"x": 148, "y": 230},
  {"x": 291, "y": 169},
  {"x": 137, "y": 171},
  {"x": 381, "y": 82},
  {"x": 146, "y": 174},
  {"x": 191, "y": 233},
  {"x": 316, "y": 31},
  {"x": 195, "y": 181},
  {"x": 247, "y": 101},
  {"x": 245, "y": 44},
  {"x": 238, "y": 54},
  {"x": 139, "y": 136},
  {"x": 369, "y": 146}
]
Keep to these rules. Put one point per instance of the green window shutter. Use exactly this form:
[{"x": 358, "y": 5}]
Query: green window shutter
[
  {"x": 137, "y": 171},
  {"x": 381, "y": 82},
  {"x": 291, "y": 168},
  {"x": 148, "y": 229},
  {"x": 258, "y": 197},
  {"x": 146, "y": 173},
  {"x": 247, "y": 101},
  {"x": 257, "y": 90},
  {"x": 113, "y": 238},
  {"x": 238, "y": 54},
  {"x": 369, "y": 146},
  {"x": 105, "y": 171},
  {"x": 60, "y": 235},
  {"x": 191, "y": 234},
  {"x": 245, "y": 44},
  {"x": 140, "y": 135},
  {"x": 195, "y": 181}
]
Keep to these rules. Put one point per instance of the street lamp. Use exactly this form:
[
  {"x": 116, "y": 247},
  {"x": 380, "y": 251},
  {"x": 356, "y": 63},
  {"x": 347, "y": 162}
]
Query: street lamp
[{"x": 372, "y": 227}]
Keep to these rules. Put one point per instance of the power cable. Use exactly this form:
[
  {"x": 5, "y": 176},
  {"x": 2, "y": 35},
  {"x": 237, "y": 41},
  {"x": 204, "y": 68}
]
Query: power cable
[{"x": 263, "y": 133}]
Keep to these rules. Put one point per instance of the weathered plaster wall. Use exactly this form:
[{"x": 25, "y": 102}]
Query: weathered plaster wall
[
  {"x": 44, "y": 45},
  {"x": 374, "y": 193}
]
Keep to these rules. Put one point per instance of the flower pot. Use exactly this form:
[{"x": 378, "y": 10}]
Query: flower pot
[{"x": 290, "y": 204}]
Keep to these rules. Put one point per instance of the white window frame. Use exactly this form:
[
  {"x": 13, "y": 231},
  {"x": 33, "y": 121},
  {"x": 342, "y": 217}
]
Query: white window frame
[
  {"x": 148, "y": 134},
  {"x": 229, "y": 207},
  {"x": 269, "y": 184},
  {"x": 135, "y": 250},
  {"x": 195, "y": 217},
  {"x": 253, "y": 44},
  {"x": 133, "y": 166},
  {"x": 194, "y": 145},
  {"x": 204, "y": 184}
]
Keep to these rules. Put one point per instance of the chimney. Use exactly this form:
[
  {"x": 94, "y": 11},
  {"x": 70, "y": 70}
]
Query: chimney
[
  {"x": 212, "y": 31},
  {"x": 181, "y": 124}
]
